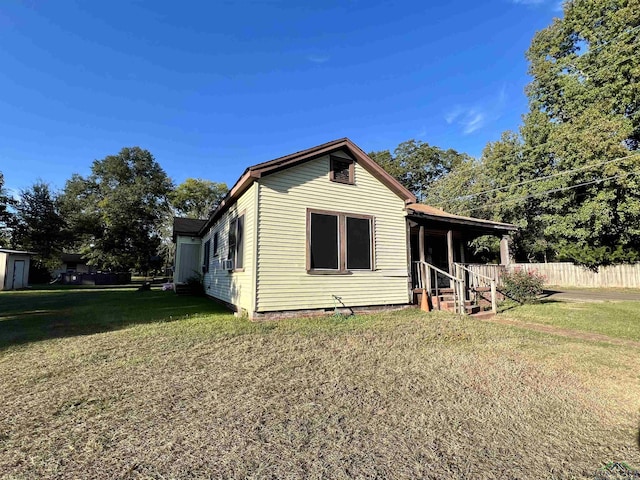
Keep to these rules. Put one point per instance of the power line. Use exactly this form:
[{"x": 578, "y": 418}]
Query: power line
[
  {"x": 557, "y": 174},
  {"x": 546, "y": 192}
]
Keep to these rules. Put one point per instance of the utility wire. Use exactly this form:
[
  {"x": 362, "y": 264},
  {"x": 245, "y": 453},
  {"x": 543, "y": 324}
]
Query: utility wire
[
  {"x": 546, "y": 192},
  {"x": 533, "y": 180}
]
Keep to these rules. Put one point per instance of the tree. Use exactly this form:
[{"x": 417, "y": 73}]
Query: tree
[
  {"x": 568, "y": 177},
  {"x": 197, "y": 198},
  {"x": 585, "y": 95},
  {"x": 417, "y": 164},
  {"x": 6, "y": 216},
  {"x": 38, "y": 223},
  {"x": 117, "y": 210}
]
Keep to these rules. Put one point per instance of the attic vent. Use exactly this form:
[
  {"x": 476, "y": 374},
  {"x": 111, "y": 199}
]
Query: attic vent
[{"x": 342, "y": 170}]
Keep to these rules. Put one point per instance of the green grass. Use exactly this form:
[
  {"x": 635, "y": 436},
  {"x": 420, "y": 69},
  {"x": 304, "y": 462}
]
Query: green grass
[
  {"x": 121, "y": 384},
  {"x": 614, "y": 319}
]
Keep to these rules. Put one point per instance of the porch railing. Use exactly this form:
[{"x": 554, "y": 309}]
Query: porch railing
[
  {"x": 475, "y": 282},
  {"x": 428, "y": 279}
]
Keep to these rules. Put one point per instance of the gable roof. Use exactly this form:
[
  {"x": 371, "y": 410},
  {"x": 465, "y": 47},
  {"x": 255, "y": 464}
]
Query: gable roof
[
  {"x": 187, "y": 226},
  {"x": 433, "y": 213},
  {"x": 267, "y": 168},
  {"x": 16, "y": 252}
]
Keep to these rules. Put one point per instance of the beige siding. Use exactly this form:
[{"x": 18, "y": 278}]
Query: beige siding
[
  {"x": 236, "y": 288},
  {"x": 283, "y": 282}
]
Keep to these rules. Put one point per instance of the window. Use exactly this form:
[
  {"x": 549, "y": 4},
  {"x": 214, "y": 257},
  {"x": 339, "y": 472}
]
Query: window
[
  {"x": 339, "y": 242},
  {"x": 342, "y": 170},
  {"x": 216, "y": 244},
  {"x": 236, "y": 242},
  {"x": 207, "y": 252}
]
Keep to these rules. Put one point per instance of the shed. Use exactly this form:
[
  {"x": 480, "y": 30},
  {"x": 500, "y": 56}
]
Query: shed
[{"x": 14, "y": 269}]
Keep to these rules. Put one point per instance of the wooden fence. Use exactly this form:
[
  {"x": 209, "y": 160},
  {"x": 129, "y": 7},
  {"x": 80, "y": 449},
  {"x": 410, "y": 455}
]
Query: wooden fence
[{"x": 570, "y": 275}]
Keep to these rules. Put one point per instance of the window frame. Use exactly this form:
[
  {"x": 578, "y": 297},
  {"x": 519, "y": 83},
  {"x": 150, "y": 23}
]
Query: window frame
[
  {"x": 206, "y": 256},
  {"x": 216, "y": 244},
  {"x": 237, "y": 246},
  {"x": 342, "y": 243},
  {"x": 352, "y": 170}
]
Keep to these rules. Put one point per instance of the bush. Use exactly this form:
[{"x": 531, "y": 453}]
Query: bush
[{"x": 522, "y": 286}]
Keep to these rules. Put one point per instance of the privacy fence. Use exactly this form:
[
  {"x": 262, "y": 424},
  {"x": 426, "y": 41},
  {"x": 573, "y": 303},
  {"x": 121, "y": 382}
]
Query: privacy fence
[{"x": 570, "y": 275}]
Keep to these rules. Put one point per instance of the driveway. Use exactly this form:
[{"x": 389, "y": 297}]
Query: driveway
[{"x": 591, "y": 294}]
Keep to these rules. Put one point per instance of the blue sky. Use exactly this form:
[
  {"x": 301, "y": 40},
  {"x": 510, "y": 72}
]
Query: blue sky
[{"x": 213, "y": 87}]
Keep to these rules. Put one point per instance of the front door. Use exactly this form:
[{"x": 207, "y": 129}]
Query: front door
[{"x": 18, "y": 274}]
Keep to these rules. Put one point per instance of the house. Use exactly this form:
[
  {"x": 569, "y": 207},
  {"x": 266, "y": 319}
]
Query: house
[
  {"x": 73, "y": 263},
  {"x": 14, "y": 269},
  {"x": 319, "y": 229}
]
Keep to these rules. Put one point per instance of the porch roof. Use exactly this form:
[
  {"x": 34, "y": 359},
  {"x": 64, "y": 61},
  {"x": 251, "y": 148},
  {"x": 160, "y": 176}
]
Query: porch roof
[{"x": 422, "y": 211}]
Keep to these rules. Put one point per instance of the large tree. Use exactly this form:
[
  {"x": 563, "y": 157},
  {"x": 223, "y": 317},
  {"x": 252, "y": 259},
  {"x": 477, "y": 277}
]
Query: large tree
[
  {"x": 417, "y": 164},
  {"x": 6, "y": 217},
  {"x": 39, "y": 227},
  {"x": 568, "y": 178},
  {"x": 117, "y": 210},
  {"x": 197, "y": 198}
]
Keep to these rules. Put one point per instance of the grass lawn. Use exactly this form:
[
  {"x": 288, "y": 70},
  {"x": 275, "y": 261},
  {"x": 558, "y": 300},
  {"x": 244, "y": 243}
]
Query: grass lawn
[
  {"x": 122, "y": 384},
  {"x": 614, "y": 319}
]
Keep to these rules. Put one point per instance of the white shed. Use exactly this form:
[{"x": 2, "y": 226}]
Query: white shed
[{"x": 14, "y": 269}]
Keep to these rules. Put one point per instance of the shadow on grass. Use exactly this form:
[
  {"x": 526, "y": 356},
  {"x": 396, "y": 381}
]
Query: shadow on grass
[{"x": 31, "y": 316}]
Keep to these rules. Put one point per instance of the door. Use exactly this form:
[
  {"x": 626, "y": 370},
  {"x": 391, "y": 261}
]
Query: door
[
  {"x": 18, "y": 274},
  {"x": 189, "y": 262}
]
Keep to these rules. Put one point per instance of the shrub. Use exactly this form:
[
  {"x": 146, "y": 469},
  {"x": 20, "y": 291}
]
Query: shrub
[{"x": 522, "y": 286}]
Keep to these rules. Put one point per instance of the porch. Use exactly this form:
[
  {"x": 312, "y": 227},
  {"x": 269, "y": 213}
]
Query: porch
[{"x": 441, "y": 275}]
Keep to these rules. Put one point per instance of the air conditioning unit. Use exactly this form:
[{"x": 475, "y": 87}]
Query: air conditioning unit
[{"x": 227, "y": 264}]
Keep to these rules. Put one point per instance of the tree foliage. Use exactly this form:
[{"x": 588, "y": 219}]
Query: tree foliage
[
  {"x": 568, "y": 178},
  {"x": 6, "y": 217},
  {"x": 39, "y": 226},
  {"x": 116, "y": 211},
  {"x": 197, "y": 198},
  {"x": 417, "y": 164}
]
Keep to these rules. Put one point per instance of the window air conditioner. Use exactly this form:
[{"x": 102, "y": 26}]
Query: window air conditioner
[{"x": 227, "y": 264}]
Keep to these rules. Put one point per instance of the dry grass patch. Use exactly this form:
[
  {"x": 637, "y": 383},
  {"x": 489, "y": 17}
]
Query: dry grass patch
[{"x": 400, "y": 395}]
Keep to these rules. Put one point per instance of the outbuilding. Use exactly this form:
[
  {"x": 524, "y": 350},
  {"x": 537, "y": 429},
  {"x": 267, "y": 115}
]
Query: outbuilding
[{"x": 14, "y": 269}]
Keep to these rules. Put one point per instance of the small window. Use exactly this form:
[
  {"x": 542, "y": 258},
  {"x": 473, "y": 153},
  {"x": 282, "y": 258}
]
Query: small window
[
  {"x": 342, "y": 170},
  {"x": 207, "y": 253},
  {"x": 236, "y": 242},
  {"x": 216, "y": 244}
]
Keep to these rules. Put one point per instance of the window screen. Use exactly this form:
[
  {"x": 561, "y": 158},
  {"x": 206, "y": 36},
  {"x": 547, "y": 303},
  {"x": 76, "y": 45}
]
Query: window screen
[
  {"x": 358, "y": 243},
  {"x": 324, "y": 241}
]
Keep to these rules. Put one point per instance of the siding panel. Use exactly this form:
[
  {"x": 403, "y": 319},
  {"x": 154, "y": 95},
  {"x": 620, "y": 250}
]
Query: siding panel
[
  {"x": 236, "y": 288},
  {"x": 283, "y": 283}
]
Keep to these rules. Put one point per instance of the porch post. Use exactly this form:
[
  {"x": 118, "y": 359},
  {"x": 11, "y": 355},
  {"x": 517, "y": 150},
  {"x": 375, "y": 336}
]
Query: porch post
[
  {"x": 505, "y": 256},
  {"x": 421, "y": 243},
  {"x": 450, "y": 250}
]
